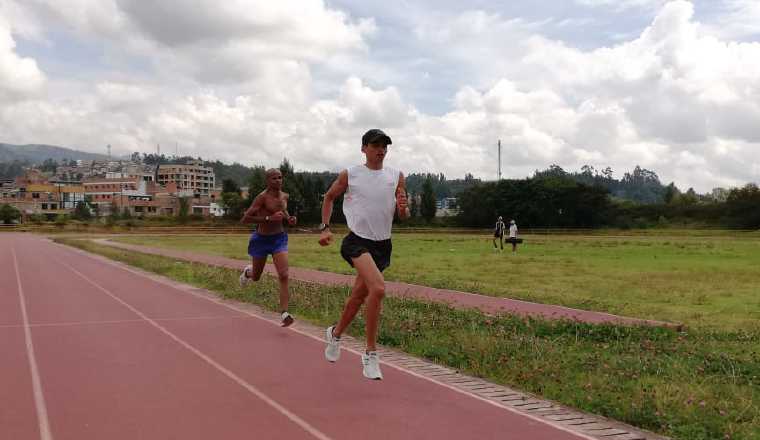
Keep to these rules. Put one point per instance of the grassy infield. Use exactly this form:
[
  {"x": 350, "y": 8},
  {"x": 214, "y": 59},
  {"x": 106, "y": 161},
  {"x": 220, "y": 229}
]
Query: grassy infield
[{"x": 700, "y": 384}]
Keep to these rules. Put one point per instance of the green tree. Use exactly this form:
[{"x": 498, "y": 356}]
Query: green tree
[
  {"x": 37, "y": 219},
  {"x": 8, "y": 214},
  {"x": 257, "y": 182},
  {"x": 49, "y": 165},
  {"x": 184, "y": 210},
  {"x": 744, "y": 206},
  {"x": 230, "y": 186},
  {"x": 428, "y": 200},
  {"x": 234, "y": 204},
  {"x": 690, "y": 197},
  {"x": 82, "y": 212},
  {"x": 61, "y": 220},
  {"x": 671, "y": 193}
]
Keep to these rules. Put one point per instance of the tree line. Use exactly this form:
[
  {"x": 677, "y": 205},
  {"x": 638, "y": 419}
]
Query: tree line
[
  {"x": 562, "y": 202},
  {"x": 553, "y": 197}
]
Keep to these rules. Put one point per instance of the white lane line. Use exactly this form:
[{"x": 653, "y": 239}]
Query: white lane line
[
  {"x": 123, "y": 321},
  {"x": 160, "y": 280},
  {"x": 39, "y": 397},
  {"x": 306, "y": 426}
]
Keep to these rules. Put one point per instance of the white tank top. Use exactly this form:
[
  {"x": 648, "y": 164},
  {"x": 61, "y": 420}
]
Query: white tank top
[{"x": 370, "y": 202}]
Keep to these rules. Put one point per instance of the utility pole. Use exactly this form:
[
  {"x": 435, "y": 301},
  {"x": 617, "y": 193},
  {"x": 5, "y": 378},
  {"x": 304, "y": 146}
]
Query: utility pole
[{"x": 499, "y": 159}]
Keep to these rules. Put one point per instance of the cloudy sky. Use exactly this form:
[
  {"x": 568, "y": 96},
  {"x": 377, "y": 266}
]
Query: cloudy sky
[{"x": 673, "y": 86}]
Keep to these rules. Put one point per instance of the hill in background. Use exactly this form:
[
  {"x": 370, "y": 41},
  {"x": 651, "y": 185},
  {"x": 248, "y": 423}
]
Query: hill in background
[{"x": 36, "y": 153}]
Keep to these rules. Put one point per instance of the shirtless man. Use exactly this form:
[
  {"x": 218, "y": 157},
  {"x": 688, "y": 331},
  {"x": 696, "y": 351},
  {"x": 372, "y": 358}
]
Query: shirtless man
[{"x": 268, "y": 211}]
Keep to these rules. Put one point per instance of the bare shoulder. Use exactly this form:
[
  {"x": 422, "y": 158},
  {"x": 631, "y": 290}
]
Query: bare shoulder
[
  {"x": 259, "y": 197},
  {"x": 339, "y": 186},
  {"x": 342, "y": 179}
]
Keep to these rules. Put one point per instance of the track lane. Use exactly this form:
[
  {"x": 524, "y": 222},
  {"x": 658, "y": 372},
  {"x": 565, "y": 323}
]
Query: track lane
[
  {"x": 334, "y": 398},
  {"x": 126, "y": 380}
]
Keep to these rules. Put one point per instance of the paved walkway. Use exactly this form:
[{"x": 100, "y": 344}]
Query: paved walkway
[
  {"x": 93, "y": 349},
  {"x": 462, "y": 300}
]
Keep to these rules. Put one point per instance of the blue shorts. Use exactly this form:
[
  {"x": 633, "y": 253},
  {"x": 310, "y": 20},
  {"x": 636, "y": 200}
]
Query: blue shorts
[{"x": 259, "y": 246}]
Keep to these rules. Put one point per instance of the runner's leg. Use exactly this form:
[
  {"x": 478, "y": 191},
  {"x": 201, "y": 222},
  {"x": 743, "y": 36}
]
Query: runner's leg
[
  {"x": 375, "y": 284},
  {"x": 280, "y": 260},
  {"x": 353, "y": 304},
  {"x": 257, "y": 268}
]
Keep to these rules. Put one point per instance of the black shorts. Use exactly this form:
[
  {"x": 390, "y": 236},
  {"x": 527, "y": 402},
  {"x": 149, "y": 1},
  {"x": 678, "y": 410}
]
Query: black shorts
[
  {"x": 498, "y": 234},
  {"x": 353, "y": 246}
]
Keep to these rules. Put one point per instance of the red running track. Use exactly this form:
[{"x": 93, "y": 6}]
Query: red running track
[{"x": 91, "y": 350}]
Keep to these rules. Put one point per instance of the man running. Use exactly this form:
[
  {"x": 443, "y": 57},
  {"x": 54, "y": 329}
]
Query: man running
[
  {"x": 373, "y": 193},
  {"x": 268, "y": 211},
  {"x": 498, "y": 232}
]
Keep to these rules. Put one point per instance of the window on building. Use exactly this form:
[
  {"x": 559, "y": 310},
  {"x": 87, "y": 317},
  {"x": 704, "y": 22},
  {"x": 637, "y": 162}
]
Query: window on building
[
  {"x": 44, "y": 206},
  {"x": 35, "y": 195}
]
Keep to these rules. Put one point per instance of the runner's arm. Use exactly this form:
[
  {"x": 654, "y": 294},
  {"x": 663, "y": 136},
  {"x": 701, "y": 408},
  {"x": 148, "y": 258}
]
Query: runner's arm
[
  {"x": 251, "y": 214},
  {"x": 336, "y": 189}
]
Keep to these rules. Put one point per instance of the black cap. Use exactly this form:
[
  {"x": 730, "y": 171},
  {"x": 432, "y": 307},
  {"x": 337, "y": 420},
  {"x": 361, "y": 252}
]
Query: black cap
[{"x": 376, "y": 135}]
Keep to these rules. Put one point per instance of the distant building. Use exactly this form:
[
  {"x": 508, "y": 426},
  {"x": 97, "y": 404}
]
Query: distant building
[
  {"x": 446, "y": 207},
  {"x": 32, "y": 193},
  {"x": 216, "y": 210},
  {"x": 719, "y": 194},
  {"x": 194, "y": 177}
]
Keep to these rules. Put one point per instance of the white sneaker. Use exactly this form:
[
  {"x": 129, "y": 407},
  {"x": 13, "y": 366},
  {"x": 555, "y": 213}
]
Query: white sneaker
[
  {"x": 332, "y": 351},
  {"x": 371, "y": 363},
  {"x": 287, "y": 319},
  {"x": 244, "y": 278}
]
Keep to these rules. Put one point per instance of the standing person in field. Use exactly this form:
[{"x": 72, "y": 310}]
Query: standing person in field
[
  {"x": 373, "y": 193},
  {"x": 498, "y": 232},
  {"x": 268, "y": 210},
  {"x": 513, "y": 235}
]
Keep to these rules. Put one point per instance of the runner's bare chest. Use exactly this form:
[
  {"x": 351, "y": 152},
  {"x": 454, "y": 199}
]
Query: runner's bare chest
[{"x": 271, "y": 204}]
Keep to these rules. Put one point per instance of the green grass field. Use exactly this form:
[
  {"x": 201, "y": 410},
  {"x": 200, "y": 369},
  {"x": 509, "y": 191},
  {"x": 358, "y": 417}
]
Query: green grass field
[
  {"x": 703, "y": 384},
  {"x": 704, "y": 282}
]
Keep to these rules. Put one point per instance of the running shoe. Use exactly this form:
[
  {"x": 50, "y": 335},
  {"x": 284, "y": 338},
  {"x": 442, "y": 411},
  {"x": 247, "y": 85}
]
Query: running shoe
[
  {"x": 371, "y": 364},
  {"x": 244, "y": 278},
  {"x": 332, "y": 351},
  {"x": 287, "y": 319}
]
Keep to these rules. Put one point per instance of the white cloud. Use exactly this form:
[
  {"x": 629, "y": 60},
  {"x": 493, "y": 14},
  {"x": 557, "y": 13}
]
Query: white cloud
[
  {"x": 19, "y": 76},
  {"x": 237, "y": 82},
  {"x": 741, "y": 19},
  {"x": 622, "y": 5}
]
